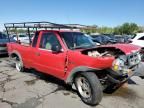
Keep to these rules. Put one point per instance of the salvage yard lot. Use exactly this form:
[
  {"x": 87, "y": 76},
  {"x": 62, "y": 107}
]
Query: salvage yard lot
[{"x": 36, "y": 90}]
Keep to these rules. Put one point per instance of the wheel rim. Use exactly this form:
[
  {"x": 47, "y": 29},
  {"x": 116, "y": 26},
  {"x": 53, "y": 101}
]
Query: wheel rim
[
  {"x": 18, "y": 65},
  {"x": 83, "y": 87}
]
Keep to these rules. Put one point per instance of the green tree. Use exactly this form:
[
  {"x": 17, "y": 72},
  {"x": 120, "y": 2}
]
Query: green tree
[
  {"x": 117, "y": 30},
  {"x": 141, "y": 29},
  {"x": 126, "y": 28},
  {"x": 105, "y": 30}
]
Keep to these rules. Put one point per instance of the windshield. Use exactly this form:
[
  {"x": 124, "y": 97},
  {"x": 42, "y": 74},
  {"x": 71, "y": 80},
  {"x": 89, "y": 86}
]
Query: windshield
[{"x": 77, "y": 40}]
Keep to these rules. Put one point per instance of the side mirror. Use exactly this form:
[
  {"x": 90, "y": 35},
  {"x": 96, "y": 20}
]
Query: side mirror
[{"x": 56, "y": 48}]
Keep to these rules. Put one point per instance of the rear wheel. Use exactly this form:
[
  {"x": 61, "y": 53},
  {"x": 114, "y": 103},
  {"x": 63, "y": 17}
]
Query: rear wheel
[
  {"x": 19, "y": 64},
  {"x": 89, "y": 88}
]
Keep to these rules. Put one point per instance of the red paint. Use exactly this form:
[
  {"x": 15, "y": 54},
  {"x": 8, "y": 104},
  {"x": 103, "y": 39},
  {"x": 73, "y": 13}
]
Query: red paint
[{"x": 126, "y": 48}]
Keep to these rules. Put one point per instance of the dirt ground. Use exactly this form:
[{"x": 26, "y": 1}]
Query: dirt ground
[{"x": 32, "y": 89}]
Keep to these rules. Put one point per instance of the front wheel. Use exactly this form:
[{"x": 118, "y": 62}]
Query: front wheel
[{"x": 89, "y": 88}]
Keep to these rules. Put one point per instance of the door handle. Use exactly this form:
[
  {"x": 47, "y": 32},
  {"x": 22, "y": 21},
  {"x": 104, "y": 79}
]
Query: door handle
[{"x": 37, "y": 54}]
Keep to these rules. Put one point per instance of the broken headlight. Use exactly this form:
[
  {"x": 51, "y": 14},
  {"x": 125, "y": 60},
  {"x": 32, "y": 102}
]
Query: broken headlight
[
  {"x": 134, "y": 59},
  {"x": 118, "y": 65}
]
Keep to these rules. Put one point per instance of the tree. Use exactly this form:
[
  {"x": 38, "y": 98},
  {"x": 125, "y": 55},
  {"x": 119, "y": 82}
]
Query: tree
[
  {"x": 105, "y": 30},
  {"x": 141, "y": 29},
  {"x": 117, "y": 30},
  {"x": 126, "y": 28}
]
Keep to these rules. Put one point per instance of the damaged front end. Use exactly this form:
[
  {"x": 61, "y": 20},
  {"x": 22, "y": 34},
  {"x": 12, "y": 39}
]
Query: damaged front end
[{"x": 122, "y": 68}]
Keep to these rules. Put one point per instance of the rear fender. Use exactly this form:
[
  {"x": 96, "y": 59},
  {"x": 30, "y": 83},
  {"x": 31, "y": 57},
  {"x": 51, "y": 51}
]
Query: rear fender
[{"x": 15, "y": 53}]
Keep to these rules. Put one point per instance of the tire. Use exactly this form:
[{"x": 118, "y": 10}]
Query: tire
[
  {"x": 89, "y": 88},
  {"x": 19, "y": 64}
]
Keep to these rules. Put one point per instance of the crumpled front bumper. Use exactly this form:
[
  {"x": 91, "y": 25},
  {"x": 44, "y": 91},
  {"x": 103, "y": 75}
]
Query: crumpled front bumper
[{"x": 119, "y": 78}]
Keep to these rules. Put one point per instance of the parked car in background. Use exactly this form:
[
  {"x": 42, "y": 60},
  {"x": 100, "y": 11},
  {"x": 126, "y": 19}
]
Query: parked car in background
[
  {"x": 96, "y": 43},
  {"x": 120, "y": 39},
  {"x": 22, "y": 38},
  {"x": 3, "y": 43},
  {"x": 113, "y": 37},
  {"x": 103, "y": 39},
  {"x": 32, "y": 36},
  {"x": 123, "y": 39},
  {"x": 138, "y": 39}
]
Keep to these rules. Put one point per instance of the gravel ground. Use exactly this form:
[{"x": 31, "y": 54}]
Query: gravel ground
[{"x": 36, "y": 90}]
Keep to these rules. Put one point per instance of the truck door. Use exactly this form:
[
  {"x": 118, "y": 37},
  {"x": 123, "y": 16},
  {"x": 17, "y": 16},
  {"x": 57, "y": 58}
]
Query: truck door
[{"x": 45, "y": 59}]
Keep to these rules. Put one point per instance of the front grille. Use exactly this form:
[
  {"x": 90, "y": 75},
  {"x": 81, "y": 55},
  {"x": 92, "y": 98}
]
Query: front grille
[{"x": 134, "y": 59}]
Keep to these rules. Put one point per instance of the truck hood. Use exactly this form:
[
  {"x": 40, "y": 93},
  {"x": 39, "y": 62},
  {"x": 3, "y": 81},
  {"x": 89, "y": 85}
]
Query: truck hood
[{"x": 126, "y": 48}]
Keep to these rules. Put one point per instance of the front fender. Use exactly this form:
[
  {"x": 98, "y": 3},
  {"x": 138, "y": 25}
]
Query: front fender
[{"x": 71, "y": 74}]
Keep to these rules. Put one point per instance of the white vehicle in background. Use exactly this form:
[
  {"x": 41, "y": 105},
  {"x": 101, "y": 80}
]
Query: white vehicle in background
[
  {"x": 22, "y": 38},
  {"x": 138, "y": 39}
]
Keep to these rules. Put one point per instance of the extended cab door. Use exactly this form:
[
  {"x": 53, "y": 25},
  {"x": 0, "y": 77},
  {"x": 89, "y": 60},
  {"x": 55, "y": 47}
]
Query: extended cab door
[{"x": 45, "y": 59}]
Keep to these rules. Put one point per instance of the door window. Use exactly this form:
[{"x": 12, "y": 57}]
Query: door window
[{"x": 48, "y": 40}]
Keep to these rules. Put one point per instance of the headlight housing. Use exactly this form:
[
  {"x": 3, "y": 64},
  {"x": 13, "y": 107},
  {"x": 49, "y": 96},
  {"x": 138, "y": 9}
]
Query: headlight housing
[
  {"x": 125, "y": 63},
  {"x": 118, "y": 65},
  {"x": 134, "y": 59}
]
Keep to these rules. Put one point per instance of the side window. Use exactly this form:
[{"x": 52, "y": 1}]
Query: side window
[
  {"x": 35, "y": 39},
  {"x": 142, "y": 38},
  {"x": 48, "y": 40}
]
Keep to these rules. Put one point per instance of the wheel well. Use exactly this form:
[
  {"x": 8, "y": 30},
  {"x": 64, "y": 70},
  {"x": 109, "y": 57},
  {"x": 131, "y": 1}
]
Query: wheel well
[
  {"x": 13, "y": 55},
  {"x": 77, "y": 73},
  {"x": 72, "y": 77}
]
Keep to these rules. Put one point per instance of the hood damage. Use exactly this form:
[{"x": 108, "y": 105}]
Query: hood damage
[
  {"x": 112, "y": 50},
  {"x": 103, "y": 52}
]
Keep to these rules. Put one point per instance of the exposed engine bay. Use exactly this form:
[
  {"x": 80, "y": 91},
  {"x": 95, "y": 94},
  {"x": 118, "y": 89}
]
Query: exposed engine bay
[
  {"x": 122, "y": 61},
  {"x": 99, "y": 52}
]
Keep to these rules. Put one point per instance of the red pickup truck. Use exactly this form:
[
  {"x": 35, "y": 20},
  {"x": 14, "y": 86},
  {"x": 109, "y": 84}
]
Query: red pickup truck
[{"x": 71, "y": 56}]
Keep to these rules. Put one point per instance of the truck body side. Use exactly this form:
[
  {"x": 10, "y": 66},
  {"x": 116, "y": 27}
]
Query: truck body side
[{"x": 57, "y": 64}]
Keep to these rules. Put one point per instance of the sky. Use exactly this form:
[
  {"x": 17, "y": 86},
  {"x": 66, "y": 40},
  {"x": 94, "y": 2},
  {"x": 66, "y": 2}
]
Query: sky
[{"x": 87, "y": 12}]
